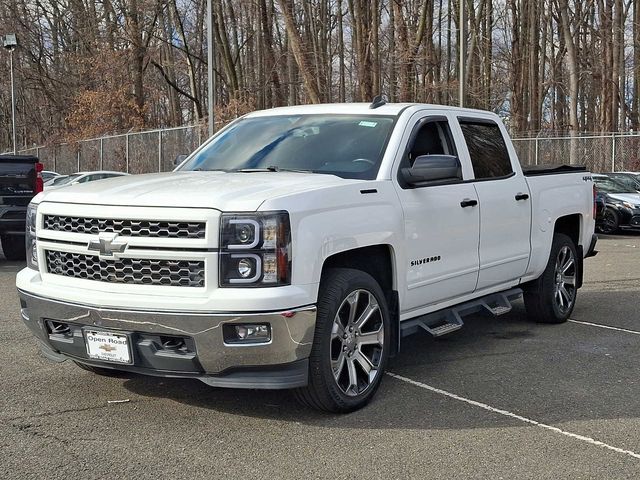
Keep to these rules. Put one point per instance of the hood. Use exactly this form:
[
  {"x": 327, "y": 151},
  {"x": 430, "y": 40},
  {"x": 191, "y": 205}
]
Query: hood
[
  {"x": 219, "y": 190},
  {"x": 633, "y": 198}
]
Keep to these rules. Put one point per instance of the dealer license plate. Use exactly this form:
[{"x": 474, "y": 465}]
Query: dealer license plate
[{"x": 107, "y": 346}]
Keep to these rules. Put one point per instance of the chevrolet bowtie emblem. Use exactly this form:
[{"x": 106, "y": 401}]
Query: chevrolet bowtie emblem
[
  {"x": 106, "y": 348},
  {"x": 106, "y": 244}
]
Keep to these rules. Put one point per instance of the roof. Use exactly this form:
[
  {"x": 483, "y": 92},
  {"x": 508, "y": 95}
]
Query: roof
[
  {"x": 97, "y": 171},
  {"x": 393, "y": 109}
]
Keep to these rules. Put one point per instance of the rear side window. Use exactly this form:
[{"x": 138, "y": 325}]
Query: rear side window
[{"x": 489, "y": 154}]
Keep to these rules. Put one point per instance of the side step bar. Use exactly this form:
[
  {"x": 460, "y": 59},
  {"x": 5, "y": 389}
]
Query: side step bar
[{"x": 450, "y": 319}]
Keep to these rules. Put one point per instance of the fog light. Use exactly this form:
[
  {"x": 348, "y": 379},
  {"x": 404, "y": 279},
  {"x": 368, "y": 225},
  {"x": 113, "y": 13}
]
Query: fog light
[{"x": 247, "y": 333}]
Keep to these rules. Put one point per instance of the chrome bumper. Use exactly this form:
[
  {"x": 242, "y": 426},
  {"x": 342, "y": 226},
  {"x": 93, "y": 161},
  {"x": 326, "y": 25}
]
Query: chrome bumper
[{"x": 281, "y": 363}]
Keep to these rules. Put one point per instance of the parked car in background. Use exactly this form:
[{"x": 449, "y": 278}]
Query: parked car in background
[
  {"x": 622, "y": 205},
  {"x": 20, "y": 180},
  {"x": 48, "y": 175},
  {"x": 628, "y": 179},
  {"x": 80, "y": 177}
]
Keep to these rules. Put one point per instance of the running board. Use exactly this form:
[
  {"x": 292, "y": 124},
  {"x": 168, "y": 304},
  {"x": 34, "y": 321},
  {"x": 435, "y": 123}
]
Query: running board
[{"x": 450, "y": 319}]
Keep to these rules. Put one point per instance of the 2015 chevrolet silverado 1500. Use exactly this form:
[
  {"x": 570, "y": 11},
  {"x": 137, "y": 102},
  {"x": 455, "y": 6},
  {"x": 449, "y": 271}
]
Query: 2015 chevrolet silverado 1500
[{"x": 298, "y": 245}]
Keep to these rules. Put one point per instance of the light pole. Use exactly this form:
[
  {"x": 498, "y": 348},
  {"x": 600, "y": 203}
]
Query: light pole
[
  {"x": 10, "y": 43},
  {"x": 210, "y": 78},
  {"x": 461, "y": 44}
]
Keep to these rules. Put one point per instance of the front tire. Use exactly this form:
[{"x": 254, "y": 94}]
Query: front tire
[
  {"x": 551, "y": 298},
  {"x": 610, "y": 222},
  {"x": 13, "y": 247},
  {"x": 350, "y": 345}
]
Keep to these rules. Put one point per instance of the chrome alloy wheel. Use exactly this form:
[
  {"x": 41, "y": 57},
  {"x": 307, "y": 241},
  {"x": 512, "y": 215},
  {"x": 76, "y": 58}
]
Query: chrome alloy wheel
[
  {"x": 565, "y": 280},
  {"x": 357, "y": 342}
]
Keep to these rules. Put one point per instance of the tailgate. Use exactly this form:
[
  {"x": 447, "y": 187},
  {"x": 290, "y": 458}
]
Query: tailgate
[
  {"x": 18, "y": 179},
  {"x": 18, "y": 175}
]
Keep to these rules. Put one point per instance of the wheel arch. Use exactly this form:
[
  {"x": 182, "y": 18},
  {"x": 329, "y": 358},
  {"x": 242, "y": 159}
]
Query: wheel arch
[
  {"x": 379, "y": 261},
  {"x": 571, "y": 226}
]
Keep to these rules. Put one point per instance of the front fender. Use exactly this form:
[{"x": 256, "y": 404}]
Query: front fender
[{"x": 337, "y": 219}]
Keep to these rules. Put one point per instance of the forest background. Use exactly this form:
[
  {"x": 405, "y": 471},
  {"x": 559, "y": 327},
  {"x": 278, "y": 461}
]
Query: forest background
[{"x": 91, "y": 68}]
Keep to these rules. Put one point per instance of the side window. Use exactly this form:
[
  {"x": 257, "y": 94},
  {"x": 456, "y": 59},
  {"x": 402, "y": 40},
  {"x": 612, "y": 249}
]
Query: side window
[
  {"x": 488, "y": 151},
  {"x": 430, "y": 136},
  {"x": 433, "y": 138},
  {"x": 85, "y": 179}
]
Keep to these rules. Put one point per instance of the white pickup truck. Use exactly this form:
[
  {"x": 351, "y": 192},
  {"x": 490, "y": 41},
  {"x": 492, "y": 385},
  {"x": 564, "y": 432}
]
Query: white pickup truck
[{"x": 297, "y": 246}]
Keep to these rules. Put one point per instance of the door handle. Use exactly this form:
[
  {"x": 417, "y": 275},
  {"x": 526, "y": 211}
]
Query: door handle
[
  {"x": 522, "y": 196},
  {"x": 467, "y": 202}
]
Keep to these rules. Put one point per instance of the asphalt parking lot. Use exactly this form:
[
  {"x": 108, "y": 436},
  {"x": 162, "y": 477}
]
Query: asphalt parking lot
[{"x": 501, "y": 398}]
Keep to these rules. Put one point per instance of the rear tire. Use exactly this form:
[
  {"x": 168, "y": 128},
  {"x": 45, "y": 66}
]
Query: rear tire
[
  {"x": 350, "y": 345},
  {"x": 13, "y": 247},
  {"x": 551, "y": 298}
]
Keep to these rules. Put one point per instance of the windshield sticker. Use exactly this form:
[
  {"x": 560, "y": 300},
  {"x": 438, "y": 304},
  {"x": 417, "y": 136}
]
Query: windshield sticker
[{"x": 368, "y": 124}]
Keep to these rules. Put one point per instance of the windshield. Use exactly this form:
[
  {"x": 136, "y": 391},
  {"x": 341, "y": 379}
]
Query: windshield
[
  {"x": 609, "y": 185},
  {"x": 628, "y": 180},
  {"x": 349, "y": 146},
  {"x": 64, "y": 180}
]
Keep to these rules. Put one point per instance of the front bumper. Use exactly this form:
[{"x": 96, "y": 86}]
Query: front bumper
[{"x": 281, "y": 363}]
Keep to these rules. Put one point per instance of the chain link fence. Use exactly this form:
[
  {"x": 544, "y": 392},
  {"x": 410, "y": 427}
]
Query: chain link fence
[
  {"x": 140, "y": 152},
  {"x": 156, "y": 150},
  {"x": 599, "y": 153}
]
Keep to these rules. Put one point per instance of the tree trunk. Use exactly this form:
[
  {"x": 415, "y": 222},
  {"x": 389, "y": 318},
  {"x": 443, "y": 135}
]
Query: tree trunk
[{"x": 299, "y": 49}]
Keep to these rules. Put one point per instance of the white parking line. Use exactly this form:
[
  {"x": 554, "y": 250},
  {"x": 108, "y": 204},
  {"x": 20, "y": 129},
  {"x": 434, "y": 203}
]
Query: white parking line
[
  {"x": 515, "y": 416},
  {"x": 605, "y": 326}
]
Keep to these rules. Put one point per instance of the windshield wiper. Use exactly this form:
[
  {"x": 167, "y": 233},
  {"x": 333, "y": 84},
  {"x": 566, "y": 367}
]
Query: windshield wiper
[{"x": 272, "y": 168}]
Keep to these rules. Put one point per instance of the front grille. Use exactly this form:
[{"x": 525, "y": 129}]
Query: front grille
[
  {"x": 129, "y": 228},
  {"x": 174, "y": 273}
]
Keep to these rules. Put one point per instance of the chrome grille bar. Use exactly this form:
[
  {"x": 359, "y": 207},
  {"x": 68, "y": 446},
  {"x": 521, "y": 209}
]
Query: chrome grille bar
[{"x": 129, "y": 228}]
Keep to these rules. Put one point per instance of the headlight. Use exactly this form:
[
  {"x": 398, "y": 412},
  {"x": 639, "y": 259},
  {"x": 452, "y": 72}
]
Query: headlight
[
  {"x": 630, "y": 205},
  {"x": 255, "y": 249},
  {"x": 30, "y": 237}
]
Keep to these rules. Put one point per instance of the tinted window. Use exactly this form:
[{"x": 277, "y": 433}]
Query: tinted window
[
  {"x": 489, "y": 154},
  {"x": 433, "y": 138},
  {"x": 350, "y": 146}
]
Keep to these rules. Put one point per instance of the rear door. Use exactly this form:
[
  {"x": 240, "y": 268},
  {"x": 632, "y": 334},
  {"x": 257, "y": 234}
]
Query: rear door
[
  {"x": 505, "y": 206},
  {"x": 441, "y": 229}
]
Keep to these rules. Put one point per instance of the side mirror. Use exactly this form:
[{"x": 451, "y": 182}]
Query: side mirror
[
  {"x": 432, "y": 168},
  {"x": 179, "y": 159}
]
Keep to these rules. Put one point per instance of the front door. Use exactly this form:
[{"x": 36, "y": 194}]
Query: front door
[{"x": 442, "y": 224}]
